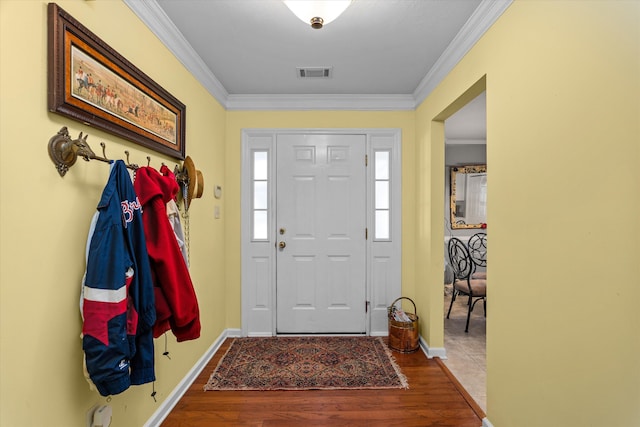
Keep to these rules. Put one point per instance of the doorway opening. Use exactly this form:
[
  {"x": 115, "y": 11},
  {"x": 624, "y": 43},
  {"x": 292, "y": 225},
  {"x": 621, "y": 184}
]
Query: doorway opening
[{"x": 465, "y": 144}]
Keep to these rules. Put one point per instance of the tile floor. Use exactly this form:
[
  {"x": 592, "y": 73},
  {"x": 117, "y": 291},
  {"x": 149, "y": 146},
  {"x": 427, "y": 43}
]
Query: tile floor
[{"x": 466, "y": 352}]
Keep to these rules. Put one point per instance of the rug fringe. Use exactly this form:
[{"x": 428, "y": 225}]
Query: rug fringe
[
  {"x": 233, "y": 341},
  {"x": 394, "y": 363}
]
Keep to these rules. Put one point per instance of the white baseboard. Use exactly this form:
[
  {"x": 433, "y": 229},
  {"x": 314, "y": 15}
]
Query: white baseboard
[
  {"x": 260, "y": 334},
  {"x": 174, "y": 397},
  {"x": 432, "y": 352},
  {"x": 233, "y": 333},
  {"x": 486, "y": 422}
]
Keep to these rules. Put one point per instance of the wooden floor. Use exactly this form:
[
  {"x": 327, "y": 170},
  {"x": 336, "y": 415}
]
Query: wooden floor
[{"x": 434, "y": 398}]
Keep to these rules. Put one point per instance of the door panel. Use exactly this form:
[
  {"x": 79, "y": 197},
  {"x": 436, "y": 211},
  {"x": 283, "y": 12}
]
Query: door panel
[{"x": 321, "y": 220}]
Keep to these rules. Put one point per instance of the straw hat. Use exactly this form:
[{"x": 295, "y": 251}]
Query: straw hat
[{"x": 195, "y": 179}]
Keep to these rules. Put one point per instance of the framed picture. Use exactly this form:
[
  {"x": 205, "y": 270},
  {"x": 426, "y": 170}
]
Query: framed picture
[{"x": 90, "y": 82}]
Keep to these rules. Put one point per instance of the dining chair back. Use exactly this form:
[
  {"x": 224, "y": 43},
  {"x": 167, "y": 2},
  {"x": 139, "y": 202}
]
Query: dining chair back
[
  {"x": 463, "y": 268},
  {"x": 478, "y": 250}
]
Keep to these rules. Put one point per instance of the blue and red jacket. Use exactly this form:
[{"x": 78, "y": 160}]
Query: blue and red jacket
[{"x": 118, "y": 298}]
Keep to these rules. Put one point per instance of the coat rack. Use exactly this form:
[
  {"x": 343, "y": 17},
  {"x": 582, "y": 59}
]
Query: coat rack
[{"x": 64, "y": 153}]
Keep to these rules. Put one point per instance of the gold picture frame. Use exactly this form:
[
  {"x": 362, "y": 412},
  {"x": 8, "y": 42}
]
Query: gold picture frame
[
  {"x": 468, "y": 208},
  {"x": 90, "y": 82}
]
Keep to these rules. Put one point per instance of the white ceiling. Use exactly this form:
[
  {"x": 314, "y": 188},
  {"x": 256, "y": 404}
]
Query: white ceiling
[
  {"x": 374, "y": 47},
  {"x": 385, "y": 54}
]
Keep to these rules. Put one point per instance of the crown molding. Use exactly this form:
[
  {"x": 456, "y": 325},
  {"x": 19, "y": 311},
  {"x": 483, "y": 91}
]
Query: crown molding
[
  {"x": 478, "y": 23},
  {"x": 152, "y": 15},
  {"x": 159, "y": 23},
  {"x": 321, "y": 102},
  {"x": 454, "y": 141}
]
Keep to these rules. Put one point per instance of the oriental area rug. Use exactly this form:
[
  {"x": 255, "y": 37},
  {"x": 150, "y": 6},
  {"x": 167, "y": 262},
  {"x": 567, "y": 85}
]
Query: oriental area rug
[{"x": 307, "y": 363}]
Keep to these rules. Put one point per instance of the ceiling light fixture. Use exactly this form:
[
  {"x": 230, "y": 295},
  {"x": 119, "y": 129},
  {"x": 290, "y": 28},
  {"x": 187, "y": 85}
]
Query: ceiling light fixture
[{"x": 317, "y": 13}]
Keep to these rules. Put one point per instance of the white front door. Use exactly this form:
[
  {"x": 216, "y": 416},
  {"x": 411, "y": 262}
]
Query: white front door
[{"x": 321, "y": 226}]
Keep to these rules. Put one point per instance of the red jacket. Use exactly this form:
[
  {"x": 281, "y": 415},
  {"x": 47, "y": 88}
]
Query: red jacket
[{"x": 176, "y": 302}]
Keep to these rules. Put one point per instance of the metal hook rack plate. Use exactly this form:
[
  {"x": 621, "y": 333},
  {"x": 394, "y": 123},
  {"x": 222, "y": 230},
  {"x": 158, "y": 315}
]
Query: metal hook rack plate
[{"x": 64, "y": 151}]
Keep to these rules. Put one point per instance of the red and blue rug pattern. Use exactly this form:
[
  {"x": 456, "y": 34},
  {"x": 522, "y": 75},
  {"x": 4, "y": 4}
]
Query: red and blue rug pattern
[{"x": 307, "y": 363}]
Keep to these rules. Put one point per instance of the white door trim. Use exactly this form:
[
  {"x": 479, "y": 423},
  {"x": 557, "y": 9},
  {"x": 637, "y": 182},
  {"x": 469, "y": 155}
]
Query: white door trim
[{"x": 258, "y": 257}]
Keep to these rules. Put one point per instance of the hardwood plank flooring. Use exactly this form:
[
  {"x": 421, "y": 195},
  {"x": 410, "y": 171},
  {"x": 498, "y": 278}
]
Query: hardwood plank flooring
[{"x": 433, "y": 399}]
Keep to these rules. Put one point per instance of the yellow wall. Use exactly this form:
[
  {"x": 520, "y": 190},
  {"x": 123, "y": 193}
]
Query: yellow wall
[
  {"x": 44, "y": 220},
  {"x": 236, "y": 121},
  {"x": 563, "y": 146}
]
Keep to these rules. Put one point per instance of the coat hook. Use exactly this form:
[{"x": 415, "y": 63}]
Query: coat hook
[
  {"x": 148, "y": 161},
  {"x": 130, "y": 165},
  {"x": 104, "y": 149}
]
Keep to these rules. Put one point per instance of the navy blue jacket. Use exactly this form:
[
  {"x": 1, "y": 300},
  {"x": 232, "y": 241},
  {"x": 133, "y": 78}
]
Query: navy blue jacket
[{"x": 118, "y": 297}]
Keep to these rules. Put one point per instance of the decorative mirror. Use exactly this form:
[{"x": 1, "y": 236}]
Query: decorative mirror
[{"x": 469, "y": 196}]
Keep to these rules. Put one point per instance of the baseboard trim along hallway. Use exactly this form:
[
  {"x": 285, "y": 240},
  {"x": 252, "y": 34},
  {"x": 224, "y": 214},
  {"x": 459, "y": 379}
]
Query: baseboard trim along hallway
[
  {"x": 432, "y": 352},
  {"x": 174, "y": 397}
]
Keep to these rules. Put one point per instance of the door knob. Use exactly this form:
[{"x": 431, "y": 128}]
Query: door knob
[{"x": 282, "y": 245}]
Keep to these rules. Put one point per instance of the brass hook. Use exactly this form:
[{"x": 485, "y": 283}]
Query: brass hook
[{"x": 130, "y": 165}]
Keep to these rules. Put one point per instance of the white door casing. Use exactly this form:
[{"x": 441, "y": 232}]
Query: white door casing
[{"x": 382, "y": 256}]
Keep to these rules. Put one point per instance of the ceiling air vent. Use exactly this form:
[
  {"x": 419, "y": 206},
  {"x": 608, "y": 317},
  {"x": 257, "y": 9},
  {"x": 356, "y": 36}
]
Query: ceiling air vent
[{"x": 315, "y": 72}]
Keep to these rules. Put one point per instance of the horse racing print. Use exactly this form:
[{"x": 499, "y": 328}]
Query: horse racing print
[{"x": 92, "y": 83}]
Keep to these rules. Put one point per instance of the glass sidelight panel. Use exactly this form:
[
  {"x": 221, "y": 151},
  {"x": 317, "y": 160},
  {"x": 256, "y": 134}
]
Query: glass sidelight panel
[
  {"x": 382, "y": 196},
  {"x": 260, "y": 197}
]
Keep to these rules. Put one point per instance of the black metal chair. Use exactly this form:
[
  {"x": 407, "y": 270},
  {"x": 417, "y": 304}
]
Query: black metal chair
[
  {"x": 463, "y": 284},
  {"x": 478, "y": 251}
]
